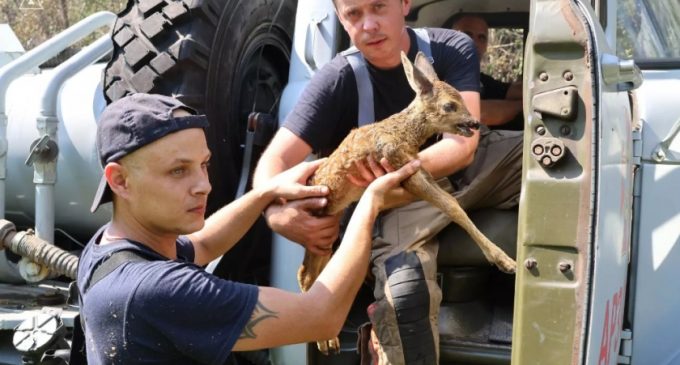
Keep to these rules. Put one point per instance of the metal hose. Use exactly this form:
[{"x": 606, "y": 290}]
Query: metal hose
[{"x": 37, "y": 250}]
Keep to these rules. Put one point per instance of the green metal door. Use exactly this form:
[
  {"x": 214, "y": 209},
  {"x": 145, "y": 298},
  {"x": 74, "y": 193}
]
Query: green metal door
[{"x": 575, "y": 210}]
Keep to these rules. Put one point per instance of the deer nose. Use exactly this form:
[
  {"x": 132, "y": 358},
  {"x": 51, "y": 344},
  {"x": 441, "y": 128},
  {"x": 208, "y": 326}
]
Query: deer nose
[{"x": 472, "y": 123}]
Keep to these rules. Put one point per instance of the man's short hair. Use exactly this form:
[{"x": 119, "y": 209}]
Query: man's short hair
[
  {"x": 133, "y": 122},
  {"x": 451, "y": 22},
  {"x": 335, "y": 2}
]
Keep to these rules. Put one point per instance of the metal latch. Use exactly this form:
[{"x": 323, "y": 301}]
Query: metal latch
[{"x": 561, "y": 103}]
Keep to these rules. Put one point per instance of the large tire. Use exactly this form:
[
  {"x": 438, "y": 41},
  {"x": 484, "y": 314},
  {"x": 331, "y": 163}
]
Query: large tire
[{"x": 225, "y": 58}]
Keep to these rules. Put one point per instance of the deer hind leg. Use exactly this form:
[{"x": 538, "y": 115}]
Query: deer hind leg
[
  {"x": 309, "y": 270},
  {"x": 422, "y": 185}
]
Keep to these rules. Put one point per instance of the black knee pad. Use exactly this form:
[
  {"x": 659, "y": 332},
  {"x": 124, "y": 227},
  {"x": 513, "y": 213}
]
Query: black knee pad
[{"x": 406, "y": 280}]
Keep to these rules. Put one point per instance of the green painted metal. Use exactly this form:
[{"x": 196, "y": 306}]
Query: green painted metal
[{"x": 555, "y": 222}]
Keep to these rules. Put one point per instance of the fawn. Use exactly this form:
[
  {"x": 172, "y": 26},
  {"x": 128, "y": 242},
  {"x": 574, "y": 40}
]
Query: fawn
[{"x": 437, "y": 108}]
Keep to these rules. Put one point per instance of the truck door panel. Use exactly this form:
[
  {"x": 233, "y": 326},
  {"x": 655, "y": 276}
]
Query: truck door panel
[{"x": 576, "y": 205}]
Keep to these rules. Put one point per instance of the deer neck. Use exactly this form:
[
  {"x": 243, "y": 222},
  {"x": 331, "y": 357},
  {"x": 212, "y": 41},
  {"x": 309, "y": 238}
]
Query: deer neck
[{"x": 414, "y": 122}]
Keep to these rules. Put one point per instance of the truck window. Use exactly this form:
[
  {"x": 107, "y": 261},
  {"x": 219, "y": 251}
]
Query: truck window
[
  {"x": 503, "y": 60},
  {"x": 648, "y": 31}
]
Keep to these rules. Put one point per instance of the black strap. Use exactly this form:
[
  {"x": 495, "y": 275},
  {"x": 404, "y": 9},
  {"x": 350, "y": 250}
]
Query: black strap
[
  {"x": 116, "y": 259},
  {"x": 78, "y": 352}
]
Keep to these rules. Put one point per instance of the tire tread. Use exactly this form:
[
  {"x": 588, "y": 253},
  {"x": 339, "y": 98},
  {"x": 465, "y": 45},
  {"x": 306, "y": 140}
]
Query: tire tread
[{"x": 163, "y": 46}]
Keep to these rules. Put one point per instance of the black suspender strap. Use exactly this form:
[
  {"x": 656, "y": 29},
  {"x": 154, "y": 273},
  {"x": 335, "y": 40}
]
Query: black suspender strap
[
  {"x": 78, "y": 352},
  {"x": 116, "y": 259}
]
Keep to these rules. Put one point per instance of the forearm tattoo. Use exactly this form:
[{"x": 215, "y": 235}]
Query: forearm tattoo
[{"x": 260, "y": 313}]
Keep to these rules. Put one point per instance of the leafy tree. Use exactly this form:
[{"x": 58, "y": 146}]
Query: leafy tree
[
  {"x": 35, "y": 21},
  {"x": 503, "y": 59}
]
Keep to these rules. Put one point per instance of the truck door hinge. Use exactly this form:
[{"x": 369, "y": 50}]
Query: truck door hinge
[
  {"x": 626, "y": 351},
  {"x": 637, "y": 146}
]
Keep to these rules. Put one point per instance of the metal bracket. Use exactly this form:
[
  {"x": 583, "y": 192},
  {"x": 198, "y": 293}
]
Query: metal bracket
[
  {"x": 624, "y": 73},
  {"x": 637, "y": 146},
  {"x": 662, "y": 153},
  {"x": 626, "y": 352},
  {"x": 561, "y": 103}
]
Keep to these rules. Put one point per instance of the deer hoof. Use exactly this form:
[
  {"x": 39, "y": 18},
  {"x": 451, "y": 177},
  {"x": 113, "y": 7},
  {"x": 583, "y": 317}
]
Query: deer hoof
[
  {"x": 507, "y": 265},
  {"x": 329, "y": 347}
]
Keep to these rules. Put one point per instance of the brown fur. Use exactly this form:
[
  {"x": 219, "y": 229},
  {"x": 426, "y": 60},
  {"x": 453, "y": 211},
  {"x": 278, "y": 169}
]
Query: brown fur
[{"x": 437, "y": 108}]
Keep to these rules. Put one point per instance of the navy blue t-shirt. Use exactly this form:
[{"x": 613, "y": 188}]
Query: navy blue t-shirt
[
  {"x": 327, "y": 109},
  {"x": 160, "y": 311},
  {"x": 492, "y": 88}
]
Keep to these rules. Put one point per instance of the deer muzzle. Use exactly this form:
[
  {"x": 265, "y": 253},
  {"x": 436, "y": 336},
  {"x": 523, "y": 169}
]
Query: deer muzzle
[{"x": 466, "y": 127}]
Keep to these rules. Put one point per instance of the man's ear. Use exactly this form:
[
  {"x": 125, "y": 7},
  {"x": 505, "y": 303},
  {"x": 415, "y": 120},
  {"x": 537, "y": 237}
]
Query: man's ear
[
  {"x": 117, "y": 178},
  {"x": 406, "y": 6}
]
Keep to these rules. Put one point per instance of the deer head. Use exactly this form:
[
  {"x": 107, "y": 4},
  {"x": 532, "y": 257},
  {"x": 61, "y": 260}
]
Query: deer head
[{"x": 440, "y": 102}]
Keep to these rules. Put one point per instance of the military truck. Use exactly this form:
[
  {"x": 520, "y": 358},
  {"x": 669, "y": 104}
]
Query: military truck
[{"x": 596, "y": 234}]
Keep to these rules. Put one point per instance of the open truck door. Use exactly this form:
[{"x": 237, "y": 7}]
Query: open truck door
[{"x": 575, "y": 213}]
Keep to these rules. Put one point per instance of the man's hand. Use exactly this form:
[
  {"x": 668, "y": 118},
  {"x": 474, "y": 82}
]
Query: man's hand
[
  {"x": 369, "y": 171},
  {"x": 295, "y": 221},
  {"x": 380, "y": 188},
  {"x": 291, "y": 184},
  {"x": 292, "y": 215}
]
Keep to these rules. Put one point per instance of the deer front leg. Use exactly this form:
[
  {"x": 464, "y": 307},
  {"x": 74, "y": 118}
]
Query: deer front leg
[
  {"x": 309, "y": 270},
  {"x": 422, "y": 185}
]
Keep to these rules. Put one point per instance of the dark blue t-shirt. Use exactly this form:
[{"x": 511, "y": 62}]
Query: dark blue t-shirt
[
  {"x": 327, "y": 109},
  {"x": 160, "y": 311}
]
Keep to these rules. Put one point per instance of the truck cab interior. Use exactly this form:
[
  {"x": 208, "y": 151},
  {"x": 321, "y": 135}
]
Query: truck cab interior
[{"x": 475, "y": 320}]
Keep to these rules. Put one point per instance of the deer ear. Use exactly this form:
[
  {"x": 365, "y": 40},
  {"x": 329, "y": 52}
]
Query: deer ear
[
  {"x": 418, "y": 81},
  {"x": 424, "y": 64}
]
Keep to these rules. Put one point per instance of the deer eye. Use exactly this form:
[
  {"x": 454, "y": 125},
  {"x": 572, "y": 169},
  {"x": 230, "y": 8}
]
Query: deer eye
[{"x": 449, "y": 107}]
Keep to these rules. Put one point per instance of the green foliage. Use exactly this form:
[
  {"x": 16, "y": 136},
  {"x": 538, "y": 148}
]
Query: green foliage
[
  {"x": 503, "y": 60},
  {"x": 35, "y": 21}
]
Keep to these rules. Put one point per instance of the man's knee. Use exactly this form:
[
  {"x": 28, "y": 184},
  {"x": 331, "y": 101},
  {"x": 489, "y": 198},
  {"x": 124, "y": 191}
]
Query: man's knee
[{"x": 411, "y": 300}]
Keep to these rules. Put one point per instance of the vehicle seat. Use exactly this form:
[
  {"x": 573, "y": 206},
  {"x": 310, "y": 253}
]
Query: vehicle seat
[{"x": 463, "y": 269}]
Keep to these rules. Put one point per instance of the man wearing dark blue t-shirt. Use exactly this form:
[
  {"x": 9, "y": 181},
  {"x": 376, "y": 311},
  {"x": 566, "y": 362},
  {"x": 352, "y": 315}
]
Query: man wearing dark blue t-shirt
[
  {"x": 154, "y": 303},
  {"x": 405, "y": 248}
]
